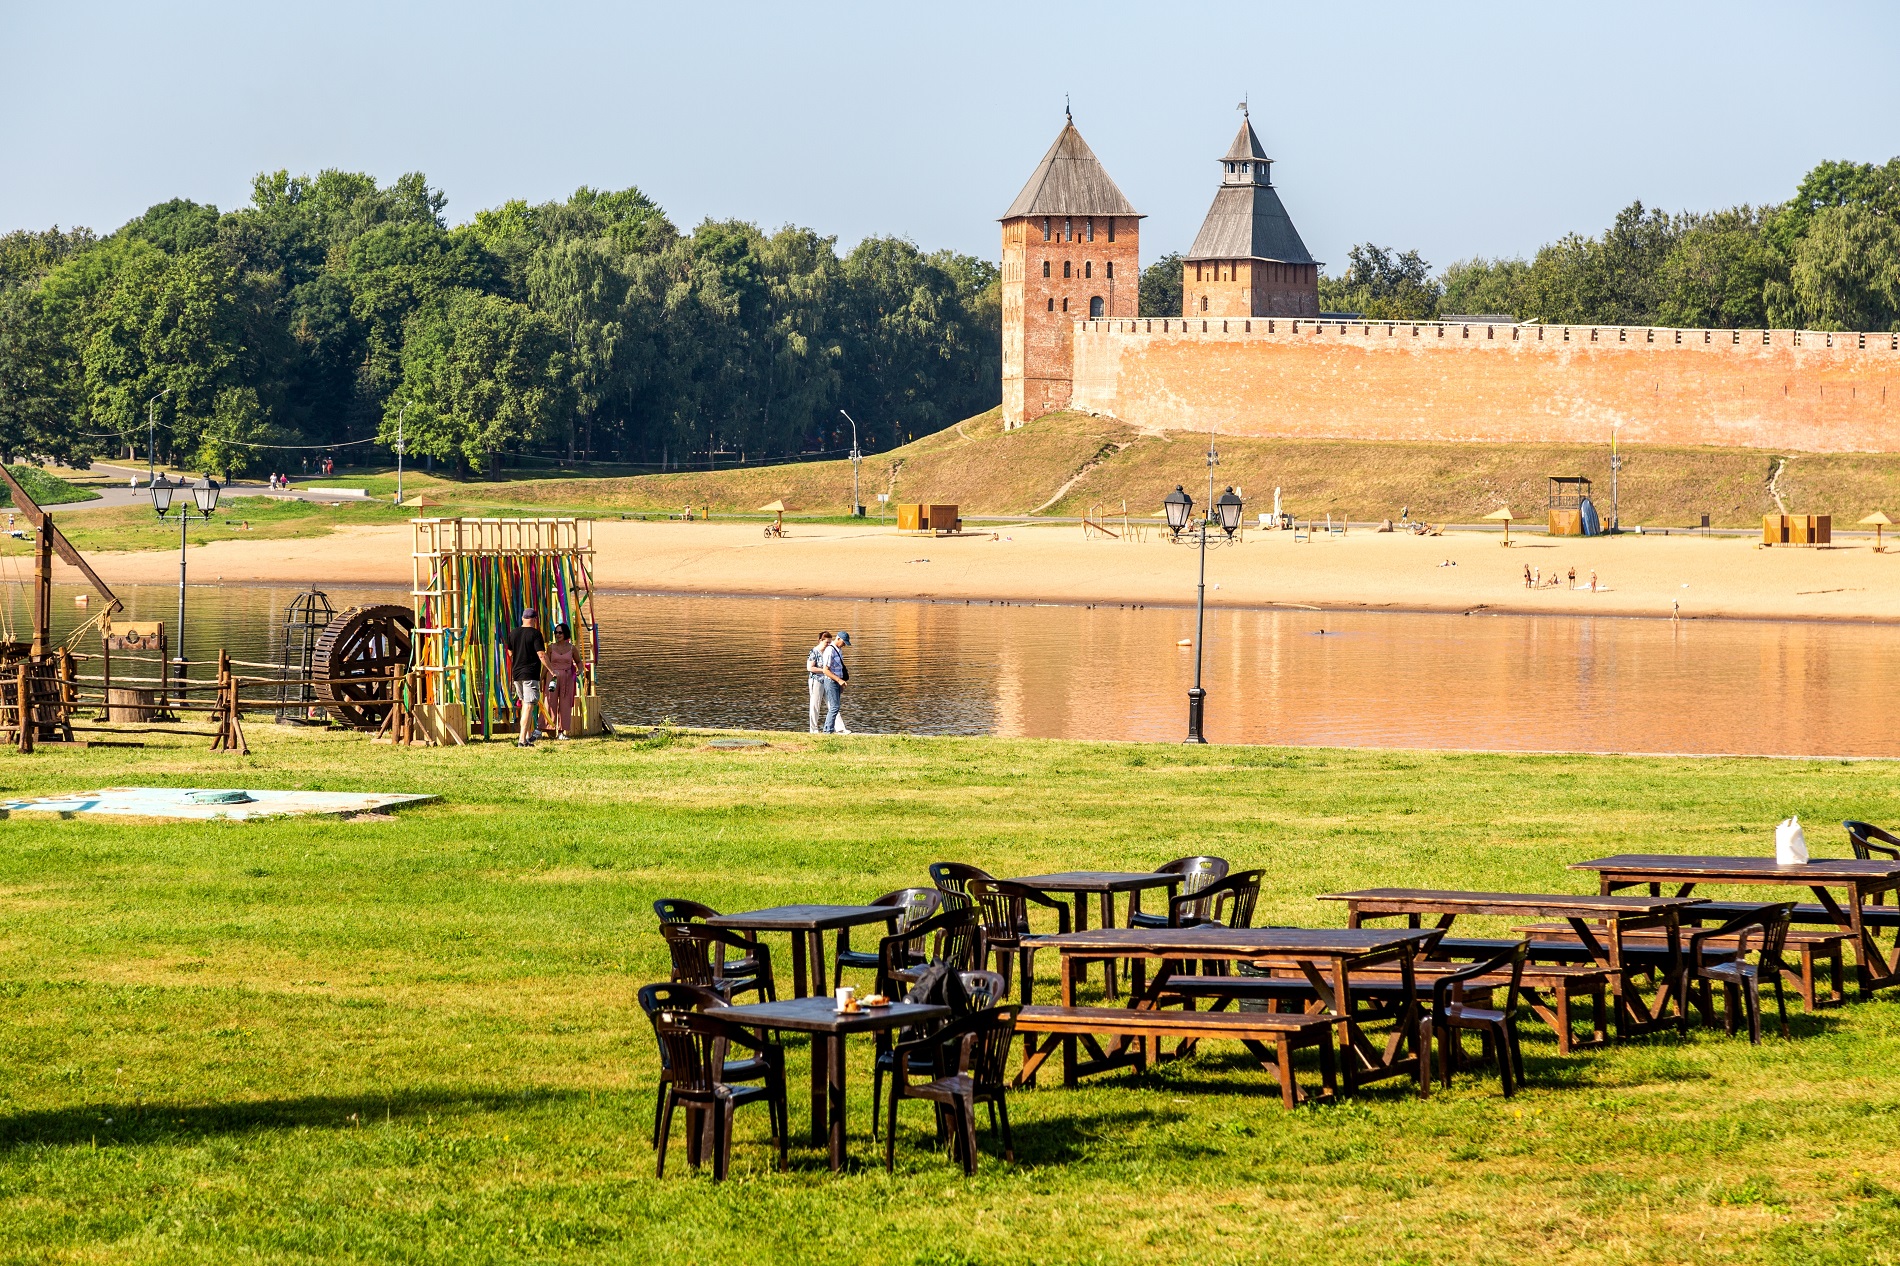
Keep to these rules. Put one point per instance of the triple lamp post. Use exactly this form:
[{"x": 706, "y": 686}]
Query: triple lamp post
[
  {"x": 205, "y": 493},
  {"x": 1179, "y": 506}
]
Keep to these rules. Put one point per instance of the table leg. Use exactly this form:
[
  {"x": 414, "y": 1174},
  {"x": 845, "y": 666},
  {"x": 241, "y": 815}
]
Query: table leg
[
  {"x": 836, "y": 1079},
  {"x": 1108, "y": 964},
  {"x": 1068, "y": 1000},
  {"x": 815, "y": 959},
  {"x": 798, "y": 966},
  {"x": 1081, "y": 925},
  {"x": 820, "y": 1086}
]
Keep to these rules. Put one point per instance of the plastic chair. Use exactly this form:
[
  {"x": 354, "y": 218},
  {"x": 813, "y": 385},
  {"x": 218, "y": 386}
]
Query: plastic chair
[
  {"x": 969, "y": 1059},
  {"x": 1196, "y": 873},
  {"x": 1497, "y": 1026},
  {"x": 952, "y": 880},
  {"x": 1735, "y": 973},
  {"x": 694, "y": 962},
  {"x": 918, "y": 904},
  {"x": 678, "y": 997},
  {"x": 692, "y": 1048},
  {"x": 1003, "y": 908},
  {"x": 680, "y": 910}
]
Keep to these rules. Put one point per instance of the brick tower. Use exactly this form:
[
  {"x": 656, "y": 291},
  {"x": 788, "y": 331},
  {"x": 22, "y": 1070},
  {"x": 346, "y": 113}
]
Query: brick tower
[
  {"x": 1248, "y": 259},
  {"x": 1070, "y": 252}
]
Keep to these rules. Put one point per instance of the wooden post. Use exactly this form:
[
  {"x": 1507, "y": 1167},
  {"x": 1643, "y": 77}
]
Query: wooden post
[
  {"x": 24, "y": 713},
  {"x": 68, "y": 693},
  {"x": 43, "y": 588},
  {"x": 105, "y": 672}
]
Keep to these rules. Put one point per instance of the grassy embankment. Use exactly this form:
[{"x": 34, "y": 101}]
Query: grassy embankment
[{"x": 414, "y": 1039}]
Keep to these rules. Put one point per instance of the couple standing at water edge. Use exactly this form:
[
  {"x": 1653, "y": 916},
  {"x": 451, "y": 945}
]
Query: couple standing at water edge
[{"x": 825, "y": 675}]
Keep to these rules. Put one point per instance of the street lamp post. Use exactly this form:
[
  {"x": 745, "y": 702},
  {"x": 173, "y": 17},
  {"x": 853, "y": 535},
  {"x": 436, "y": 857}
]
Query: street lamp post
[
  {"x": 1179, "y": 506},
  {"x": 205, "y": 493},
  {"x": 1616, "y": 464},
  {"x": 857, "y": 507},
  {"x": 399, "y": 416},
  {"x": 151, "y": 435}
]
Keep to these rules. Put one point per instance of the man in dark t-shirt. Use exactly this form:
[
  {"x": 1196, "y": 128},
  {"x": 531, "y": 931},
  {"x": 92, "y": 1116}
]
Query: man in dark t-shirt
[{"x": 527, "y": 671}]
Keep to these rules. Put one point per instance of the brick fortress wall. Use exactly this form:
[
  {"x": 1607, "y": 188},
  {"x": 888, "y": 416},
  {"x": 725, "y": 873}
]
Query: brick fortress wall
[
  {"x": 1086, "y": 258},
  {"x": 1773, "y": 389}
]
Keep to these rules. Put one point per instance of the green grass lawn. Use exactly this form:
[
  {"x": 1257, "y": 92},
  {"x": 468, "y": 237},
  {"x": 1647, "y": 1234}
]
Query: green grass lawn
[{"x": 414, "y": 1039}]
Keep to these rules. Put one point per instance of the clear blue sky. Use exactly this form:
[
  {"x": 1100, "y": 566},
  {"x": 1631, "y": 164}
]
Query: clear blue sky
[{"x": 1457, "y": 129}]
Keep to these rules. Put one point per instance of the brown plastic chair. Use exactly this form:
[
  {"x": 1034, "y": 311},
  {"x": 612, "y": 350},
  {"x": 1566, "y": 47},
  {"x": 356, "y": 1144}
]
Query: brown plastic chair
[
  {"x": 674, "y": 996},
  {"x": 692, "y": 1048},
  {"x": 695, "y": 963},
  {"x": 1737, "y": 976},
  {"x": 1496, "y": 1026},
  {"x": 952, "y": 936},
  {"x": 1862, "y": 836},
  {"x": 952, "y": 880},
  {"x": 680, "y": 910},
  {"x": 984, "y": 989},
  {"x": 918, "y": 904},
  {"x": 1196, "y": 873},
  {"x": 970, "y": 1059},
  {"x": 1003, "y": 908}
]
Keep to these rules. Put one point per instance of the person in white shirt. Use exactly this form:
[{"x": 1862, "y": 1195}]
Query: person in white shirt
[
  {"x": 815, "y": 679},
  {"x": 832, "y": 683}
]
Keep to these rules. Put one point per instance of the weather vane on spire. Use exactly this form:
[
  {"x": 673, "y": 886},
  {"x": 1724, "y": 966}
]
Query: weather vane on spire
[
  {"x": 1066, "y": 112},
  {"x": 1242, "y": 107}
]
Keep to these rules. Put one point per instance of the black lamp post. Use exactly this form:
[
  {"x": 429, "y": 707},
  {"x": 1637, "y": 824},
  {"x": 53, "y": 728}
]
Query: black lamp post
[
  {"x": 1179, "y": 507},
  {"x": 205, "y": 493}
]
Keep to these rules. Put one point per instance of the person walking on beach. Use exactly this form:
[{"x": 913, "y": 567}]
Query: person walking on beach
[
  {"x": 815, "y": 679},
  {"x": 1527, "y": 575},
  {"x": 1573, "y": 577},
  {"x": 564, "y": 673},
  {"x": 527, "y": 671}
]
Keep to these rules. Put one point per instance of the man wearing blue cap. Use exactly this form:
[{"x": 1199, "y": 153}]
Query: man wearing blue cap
[{"x": 527, "y": 670}]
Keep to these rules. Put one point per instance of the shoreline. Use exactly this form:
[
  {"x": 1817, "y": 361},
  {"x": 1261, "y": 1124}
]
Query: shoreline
[{"x": 1458, "y": 573}]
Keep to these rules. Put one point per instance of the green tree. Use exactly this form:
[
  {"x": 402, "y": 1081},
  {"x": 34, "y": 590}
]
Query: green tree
[
  {"x": 1716, "y": 276},
  {"x": 1478, "y": 287},
  {"x": 38, "y": 384},
  {"x": 1383, "y": 285},
  {"x": 229, "y": 439},
  {"x": 1161, "y": 287},
  {"x": 1846, "y": 271}
]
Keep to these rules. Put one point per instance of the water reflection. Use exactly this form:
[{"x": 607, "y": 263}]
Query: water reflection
[{"x": 1300, "y": 677}]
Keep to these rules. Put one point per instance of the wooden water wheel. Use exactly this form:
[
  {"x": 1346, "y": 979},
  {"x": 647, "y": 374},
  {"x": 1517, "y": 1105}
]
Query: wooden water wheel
[{"x": 362, "y": 642}]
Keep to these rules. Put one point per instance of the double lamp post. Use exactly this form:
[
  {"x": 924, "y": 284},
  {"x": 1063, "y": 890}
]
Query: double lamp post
[
  {"x": 1224, "y": 514},
  {"x": 205, "y": 493}
]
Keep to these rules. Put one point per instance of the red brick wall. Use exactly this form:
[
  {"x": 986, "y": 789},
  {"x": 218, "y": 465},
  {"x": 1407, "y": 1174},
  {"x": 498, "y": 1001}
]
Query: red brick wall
[
  {"x": 1780, "y": 389},
  {"x": 1040, "y": 313}
]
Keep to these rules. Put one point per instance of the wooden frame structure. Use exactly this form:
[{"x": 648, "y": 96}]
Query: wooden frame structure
[{"x": 472, "y": 579}]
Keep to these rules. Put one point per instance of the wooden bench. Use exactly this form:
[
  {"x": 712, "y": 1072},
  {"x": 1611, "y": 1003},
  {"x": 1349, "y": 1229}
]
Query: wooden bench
[
  {"x": 1257, "y": 1031},
  {"x": 1806, "y": 912},
  {"x": 1547, "y": 988},
  {"x": 1814, "y": 946}
]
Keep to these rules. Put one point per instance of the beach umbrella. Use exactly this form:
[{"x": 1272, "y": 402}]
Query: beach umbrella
[
  {"x": 776, "y": 507},
  {"x": 1879, "y": 520},
  {"x": 420, "y": 500},
  {"x": 1503, "y": 513}
]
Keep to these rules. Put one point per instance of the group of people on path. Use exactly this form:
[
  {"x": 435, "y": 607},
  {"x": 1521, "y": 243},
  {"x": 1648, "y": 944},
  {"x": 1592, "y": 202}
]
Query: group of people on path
[
  {"x": 539, "y": 671},
  {"x": 825, "y": 675}
]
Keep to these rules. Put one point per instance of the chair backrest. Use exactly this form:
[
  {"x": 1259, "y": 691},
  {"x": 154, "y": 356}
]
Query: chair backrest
[
  {"x": 1196, "y": 874},
  {"x": 1861, "y": 835},
  {"x": 1003, "y": 908},
  {"x": 677, "y": 996},
  {"x": 694, "y": 963},
  {"x": 1230, "y": 900},
  {"x": 952, "y": 880},
  {"x": 986, "y": 1037},
  {"x": 984, "y": 989},
  {"x": 918, "y": 904},
  {"x": 680, "y": 910},
  {"x": 903, "y": 949},
  {"x": 1772, "y": 920},
  {"x": 691, "y": 1049}
]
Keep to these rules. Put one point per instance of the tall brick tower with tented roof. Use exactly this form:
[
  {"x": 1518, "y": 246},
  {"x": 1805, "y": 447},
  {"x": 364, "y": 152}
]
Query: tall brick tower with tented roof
[
  {"x": 1248, "y": 259},
  {"x": 1071, "y": 251}
]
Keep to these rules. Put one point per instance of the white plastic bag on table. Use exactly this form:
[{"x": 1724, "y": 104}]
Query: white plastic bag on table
[{"x": 1791, "y": 843}]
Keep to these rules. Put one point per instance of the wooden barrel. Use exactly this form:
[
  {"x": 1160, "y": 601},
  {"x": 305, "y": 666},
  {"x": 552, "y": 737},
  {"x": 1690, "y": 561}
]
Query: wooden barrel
[{"x": 125, "y": 704}]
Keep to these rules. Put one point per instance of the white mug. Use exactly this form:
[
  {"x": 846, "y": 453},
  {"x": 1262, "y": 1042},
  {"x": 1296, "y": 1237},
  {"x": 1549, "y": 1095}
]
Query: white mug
[{"x": 847, "y": 997}]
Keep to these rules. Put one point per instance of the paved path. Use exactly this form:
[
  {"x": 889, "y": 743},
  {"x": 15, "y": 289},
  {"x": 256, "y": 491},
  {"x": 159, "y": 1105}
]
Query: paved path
[{"x": 122, "y": 494}]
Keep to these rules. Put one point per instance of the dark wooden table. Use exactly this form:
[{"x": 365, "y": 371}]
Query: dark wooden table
[
  {"x": 1587, "y": 915},
  {"x": 808, "y": 925},
  {"x": 1858, "y": 879},
  {"x": 1105, "y": 884},
  {"x": 828, "y": 1029},
  {"x": 1326, "y": 957}
]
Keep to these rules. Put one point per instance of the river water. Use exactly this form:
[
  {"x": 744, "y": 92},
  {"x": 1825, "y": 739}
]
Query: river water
[{"x": 1550, "y": 683}]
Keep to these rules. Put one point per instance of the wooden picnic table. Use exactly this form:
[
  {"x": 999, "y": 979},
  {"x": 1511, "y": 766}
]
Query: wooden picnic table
[
  {"x": 807, "y": 925},
  {"x": 1104, "y": 884},
  {"x": 1860, "y": 879},
  {"x": 1326, "y": 957},
  {"x": 1618, "y": 915},
  {"x": 828, "y": 1028}
]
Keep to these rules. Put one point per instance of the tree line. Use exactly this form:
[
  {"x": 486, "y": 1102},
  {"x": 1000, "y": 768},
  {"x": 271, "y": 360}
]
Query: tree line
[
  {"x": 332, "y": 311},
  {"x": 1826, "y": 259}
]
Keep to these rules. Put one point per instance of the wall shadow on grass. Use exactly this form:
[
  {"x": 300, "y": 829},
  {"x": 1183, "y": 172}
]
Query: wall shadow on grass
[{"x": 153, "y": 1124}]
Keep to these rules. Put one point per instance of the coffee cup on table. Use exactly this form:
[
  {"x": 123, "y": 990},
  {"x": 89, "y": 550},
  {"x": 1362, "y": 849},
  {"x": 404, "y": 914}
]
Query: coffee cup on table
[{"x": 847, "y": 998}]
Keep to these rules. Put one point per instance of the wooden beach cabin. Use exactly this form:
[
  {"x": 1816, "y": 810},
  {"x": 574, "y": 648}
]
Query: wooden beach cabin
[{"x": 1567, "y": 495}]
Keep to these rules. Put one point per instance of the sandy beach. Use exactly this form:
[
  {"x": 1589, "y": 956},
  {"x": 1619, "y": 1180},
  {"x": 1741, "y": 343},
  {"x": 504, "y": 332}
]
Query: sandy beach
[{"x": 1363, "y": 570}]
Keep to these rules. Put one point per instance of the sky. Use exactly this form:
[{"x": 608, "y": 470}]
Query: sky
[{"x": 1456, "y": 130}]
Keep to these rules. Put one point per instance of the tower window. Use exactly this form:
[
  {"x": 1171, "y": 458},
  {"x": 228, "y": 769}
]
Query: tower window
[
  {"x": 1088, "y": 268},
  {"x": 1065, "y": 305},
  {"x": 1068, "y": 229},
  {"x": 1065, "y": 268},
  {"x": 1111, "y": 270},
  {"x": 1111, "y": 228},
  {"x": 1088, "y": 228},
  {"x": 1045, "y": 268},
  {"x": 1045, "y": 228},
  {"x": 1052, "y": 305},
  {"x": 1203, "y": 303},
  {"x": 1095, "y": 307},
  {"x": 1197, "y": 273}
]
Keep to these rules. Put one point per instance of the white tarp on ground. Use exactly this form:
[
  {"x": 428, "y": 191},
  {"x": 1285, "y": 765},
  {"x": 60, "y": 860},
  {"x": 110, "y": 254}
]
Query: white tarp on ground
[{"x": 201, "y": 802}]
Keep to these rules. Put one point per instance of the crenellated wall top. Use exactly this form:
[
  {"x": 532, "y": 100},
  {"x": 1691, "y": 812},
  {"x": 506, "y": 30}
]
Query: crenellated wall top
[{"x": 1311, "y": 328}]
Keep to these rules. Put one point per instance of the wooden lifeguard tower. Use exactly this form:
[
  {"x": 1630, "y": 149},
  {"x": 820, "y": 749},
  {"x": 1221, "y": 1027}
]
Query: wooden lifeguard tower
[{"x": 1567, "y": 495}]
